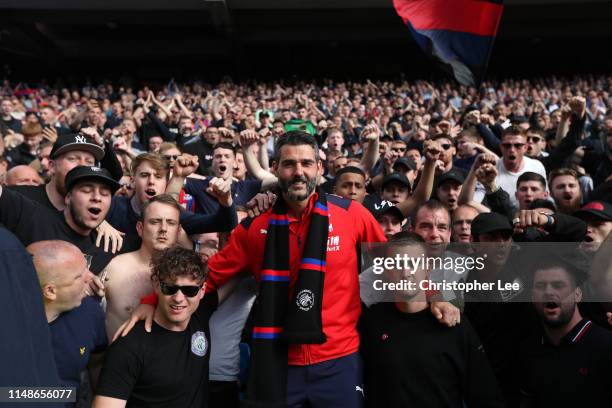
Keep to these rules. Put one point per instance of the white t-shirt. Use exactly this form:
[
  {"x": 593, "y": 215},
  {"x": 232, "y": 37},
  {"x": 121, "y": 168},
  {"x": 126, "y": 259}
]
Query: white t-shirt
[{"x": 507, "y": 179}]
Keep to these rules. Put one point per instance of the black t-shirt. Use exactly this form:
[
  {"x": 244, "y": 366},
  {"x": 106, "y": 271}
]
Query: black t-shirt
[
  {"x": 33, "y": 222},
  {"x": 576, "y": 373},
  {"x": 36, "y": 193},
  {"x": 163, "y": 368},
  {"x": 412, "y": 360}
]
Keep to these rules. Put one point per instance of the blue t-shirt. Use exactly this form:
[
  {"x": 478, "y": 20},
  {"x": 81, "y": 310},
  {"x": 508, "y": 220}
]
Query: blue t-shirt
[
  {"x": 242, "y": 192},
  {"x": 75, "y": 335}
]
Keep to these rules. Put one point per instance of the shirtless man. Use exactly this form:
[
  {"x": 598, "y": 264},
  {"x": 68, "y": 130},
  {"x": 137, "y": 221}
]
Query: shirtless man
[{"x": 128, "y": 276}]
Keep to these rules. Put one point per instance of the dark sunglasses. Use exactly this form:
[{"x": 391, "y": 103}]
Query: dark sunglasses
[
  {"x": 171, "y": 156},
  {"x": 189, "y": 291},
  {"x": 446, "y": 146},
  {"x": 398, "y": 149},
  {"x": 515, "y": 145},
  {"x": 534, "y": 139}
]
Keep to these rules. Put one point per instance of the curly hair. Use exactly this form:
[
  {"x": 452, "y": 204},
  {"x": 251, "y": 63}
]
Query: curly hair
[{"x": 171, "y": 263}]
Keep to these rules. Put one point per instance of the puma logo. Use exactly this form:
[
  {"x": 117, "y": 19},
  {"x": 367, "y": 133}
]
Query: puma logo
[
  {"x": 358, "y": 388},
  {"x": 82, "y": 350}
]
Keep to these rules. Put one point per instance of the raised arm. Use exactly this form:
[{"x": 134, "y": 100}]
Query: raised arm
[
  {"x": 248, "y": 138},
  {"x": 371, "y": 136},
  {"x": 423, "y": 190}
]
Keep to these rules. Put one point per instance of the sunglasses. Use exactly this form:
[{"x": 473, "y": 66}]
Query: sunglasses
[
  {"x": 446, "y": 146},
  {"x": 515, "y": 145},
  {"x": 189, "y": 291},
  {"x": 398, "y": 149},
  {"x": 534, "y": 139},
  {"x": 171, "y": 156}
]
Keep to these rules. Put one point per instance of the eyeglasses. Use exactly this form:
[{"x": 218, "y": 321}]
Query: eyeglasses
[
  {"x": 171, "y": 156},
  {"x": 534, "y": 139},
  {"x": 189, "y": 291},
  {"x": 446, "y": 146},
  {"x": 511, "y": 145}
]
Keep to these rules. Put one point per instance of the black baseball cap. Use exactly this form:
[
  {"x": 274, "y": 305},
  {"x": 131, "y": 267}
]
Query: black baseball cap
[
  {"x": 406, "y": 162},
  {"x": 450, "y": 175},
  {"x": 385, "y": 207},
  {"x": 75, "y": 141},
  {"x": 94, "y": 173},
  {"x": 598, "y": 209},
  {"x": 396, "y": 178},
  {"x": 490, "y": 222}
]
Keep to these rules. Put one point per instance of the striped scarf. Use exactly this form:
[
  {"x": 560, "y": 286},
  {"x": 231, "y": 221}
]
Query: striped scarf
[{"x": 282, "y": 318}]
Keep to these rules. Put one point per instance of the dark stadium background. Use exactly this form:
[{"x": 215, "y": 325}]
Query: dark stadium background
[{"x": 272, "y": 39}]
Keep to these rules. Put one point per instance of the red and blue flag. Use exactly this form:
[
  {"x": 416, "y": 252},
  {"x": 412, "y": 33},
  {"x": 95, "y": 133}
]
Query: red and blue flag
[{"x": 460, "y": 33}]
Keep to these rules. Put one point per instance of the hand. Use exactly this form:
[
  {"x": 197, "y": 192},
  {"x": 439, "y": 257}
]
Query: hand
[
  {"x": 566, "y": 112},
  {"x": 473, "y": 117},
  {"x": 92, "y": 132},
  {"x": 577, "y": 106},
  {"x": 120, "y": 144},
  {"x": 221, "y": 190},
  {"x": 260, "y": 204},
  {"x": 529, "y": 218},
  {"x": 487, "y": 174},
  {"x": 432, "y": 151},
  {"x": 112, "y": 237},
  {"x": 96, "y": 287},
  {"x": 226, "y": 133},
  {"x": 142, "y": 312},
  {"x": 446, "y": 313},
  {"x": 264, "y": 135},
  {"x": 486, "y": 119},
  {"x": 248, "y": 137},
  {"x": 185, "y": 165},
  {"x": 50, "y": 134},
  {"x": 370, "y": 133},
  {"x": 483, "y": 159}
]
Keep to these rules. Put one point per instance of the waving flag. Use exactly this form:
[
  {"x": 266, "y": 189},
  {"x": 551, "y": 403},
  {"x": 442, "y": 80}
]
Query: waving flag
[{"x": 459, "y": 33}]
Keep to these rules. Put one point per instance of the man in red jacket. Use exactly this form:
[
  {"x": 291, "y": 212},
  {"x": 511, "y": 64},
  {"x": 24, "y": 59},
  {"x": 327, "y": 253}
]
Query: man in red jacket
[{"x": 329, "y": 373}]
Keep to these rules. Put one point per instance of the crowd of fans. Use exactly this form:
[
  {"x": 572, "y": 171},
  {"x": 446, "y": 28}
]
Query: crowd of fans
[{"x": 131, "y": 176}]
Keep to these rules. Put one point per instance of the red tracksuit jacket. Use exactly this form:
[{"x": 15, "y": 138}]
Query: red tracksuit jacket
[{"x": 350, "y": 224}]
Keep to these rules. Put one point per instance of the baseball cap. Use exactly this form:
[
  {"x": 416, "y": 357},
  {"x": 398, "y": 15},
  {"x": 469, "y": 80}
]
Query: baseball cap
[
  {"x": 489, "y": 222},
  {"x": 98, "y": 174},
  {"x": 396, "y": 178},
  {"x": 385, "y": 207},
  {"x": 74, "y": 141},
  {"x": 450, "y": 175},
  {"x": 599, "y": 209},
  {"x": 406, "y": 162}
]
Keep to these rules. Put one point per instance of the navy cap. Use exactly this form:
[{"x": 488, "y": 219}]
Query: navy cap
[{"x": 94, "y": 173}]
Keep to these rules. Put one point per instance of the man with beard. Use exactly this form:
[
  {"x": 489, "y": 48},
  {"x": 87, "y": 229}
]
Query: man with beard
[
  {"x": 514, "y": 163},
  {"x": 570, "y": 363},
  {"x": 223, "y": 162},
  {"x": 89, "y": 192},
  {"x": 400, "y": 341},
  {"x": 128, "y": 276},
  {"x": 565, "y": 190}
]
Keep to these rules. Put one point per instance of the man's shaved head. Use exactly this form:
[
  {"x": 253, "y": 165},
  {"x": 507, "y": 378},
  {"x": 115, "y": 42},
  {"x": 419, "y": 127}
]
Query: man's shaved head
[
  {"x": 22, "y": 176},
  {"x": 52, "y": 259}
]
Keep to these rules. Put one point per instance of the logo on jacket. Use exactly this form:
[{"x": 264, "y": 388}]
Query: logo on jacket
[
  {"x": 199, "y": 345},
  {"x": 305, "y": 300},
  {"x": 82, "y": 350}
]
